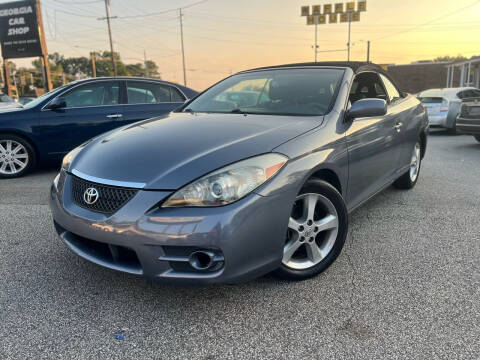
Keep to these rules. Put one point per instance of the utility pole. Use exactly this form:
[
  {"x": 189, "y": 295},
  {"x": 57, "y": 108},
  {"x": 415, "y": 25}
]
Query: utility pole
[
  {"x": 349, "y": 28},
  {"x": 316, "y": 37},
  {"x": 44, "y": 58},
  {"x": 183, "y": 50},
  {"x": 8, "y": 85},
  {"x": 368, "y": 51},
  {"x": 15, "y": 83},
  {"x": 108, "y": 17},
  {"x": 94, "y": 65},
  {"x": 145, "y": 62}
]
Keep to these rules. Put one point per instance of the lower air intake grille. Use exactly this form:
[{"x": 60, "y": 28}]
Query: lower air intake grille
[{"x": 107, "y": 199}]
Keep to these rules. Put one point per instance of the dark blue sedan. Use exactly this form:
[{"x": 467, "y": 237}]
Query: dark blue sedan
[{"x": 45, "y": 129}]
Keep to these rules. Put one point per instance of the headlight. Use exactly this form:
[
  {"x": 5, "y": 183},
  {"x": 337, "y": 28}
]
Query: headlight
[
  {"x": 67, "y": 160},
  {"x": 228, "y": 184}
]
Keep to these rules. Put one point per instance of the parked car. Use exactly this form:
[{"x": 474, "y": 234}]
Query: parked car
[
  {"x": 219, "y": 192},
  {"x": 6, "y": 102},
  {"x": 468, "y": 122},
  {"x": 25, "y": 99},
  {"x": 443, "y": 105},
  {"x": 46, "y": 128}
]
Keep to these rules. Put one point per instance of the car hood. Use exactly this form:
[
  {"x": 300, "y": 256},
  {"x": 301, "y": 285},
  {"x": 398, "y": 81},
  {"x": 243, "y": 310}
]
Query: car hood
[
  {"x": 169, "y": 152},
  {"x": 9, "y": 108}
]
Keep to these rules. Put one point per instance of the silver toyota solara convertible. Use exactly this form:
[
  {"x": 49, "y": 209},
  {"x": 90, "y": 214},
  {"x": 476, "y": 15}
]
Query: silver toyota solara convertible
[{"x": 257, "y": 174}]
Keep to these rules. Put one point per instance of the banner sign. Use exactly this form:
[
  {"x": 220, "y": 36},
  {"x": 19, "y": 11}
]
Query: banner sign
[
  {"x": 19, "y": 33},
  {"x": 316, "y": 10},
  {"x": 334, "y": 13}
]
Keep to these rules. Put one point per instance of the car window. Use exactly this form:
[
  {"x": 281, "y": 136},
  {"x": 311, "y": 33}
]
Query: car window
[
  {"x": 367, "y": 85},
  {"x": 471, "y": 93},
  {"x": 143, "y": 92},
  {"x": 431, "y": 100},
  {"x": 300, "y": 92},
  {"x": 41, "y": 98},
  {"x": 95, "y": 94},
  {"x": 175, "y": 95},
  {"x": 393, "y": 93},
  {"x": 245, "y": 93}
]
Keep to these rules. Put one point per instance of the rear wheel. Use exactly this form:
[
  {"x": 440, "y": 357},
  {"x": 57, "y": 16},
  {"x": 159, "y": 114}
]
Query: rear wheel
[
  {"x": 316, "y": 232},
  {"x": 409, "y": 179},
  {"x": 17, "y": 156},
  {"x": 453, "y": 129},
  {"x": 477, "y": 137}
]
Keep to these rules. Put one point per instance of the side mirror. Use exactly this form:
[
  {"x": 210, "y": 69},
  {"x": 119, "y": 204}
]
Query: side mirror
[
  {"x": 367, "y": 108},
  {"x": 57, "y": 103}
]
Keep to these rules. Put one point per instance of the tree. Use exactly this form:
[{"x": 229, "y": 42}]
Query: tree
[
  {"x": 450, "y": 58},
  {"x": 65, "y": 69},
  {"x": 138, "y": 69}
]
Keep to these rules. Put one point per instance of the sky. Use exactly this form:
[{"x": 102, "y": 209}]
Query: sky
[{"x": 226, "y": 36}]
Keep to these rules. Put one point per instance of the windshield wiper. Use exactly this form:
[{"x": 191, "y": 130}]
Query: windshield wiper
[{"x": 188, "y": 110}]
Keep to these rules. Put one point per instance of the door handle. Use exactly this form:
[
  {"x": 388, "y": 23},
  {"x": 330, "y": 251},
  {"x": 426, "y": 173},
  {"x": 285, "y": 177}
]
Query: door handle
[
  {"x": 398, "y": 126},
  {"x": 114, "y": 116}
]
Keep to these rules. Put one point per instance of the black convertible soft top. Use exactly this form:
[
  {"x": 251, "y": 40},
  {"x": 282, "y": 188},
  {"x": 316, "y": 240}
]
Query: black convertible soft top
[{"x": 356, "y": 66}]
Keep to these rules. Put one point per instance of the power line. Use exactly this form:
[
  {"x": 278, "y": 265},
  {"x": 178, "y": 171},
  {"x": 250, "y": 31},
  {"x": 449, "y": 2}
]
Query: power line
[
  {"x": 162, "y": 12},
  {"x": 430, "y": 21},
  {"x": 78, "y": 2}
]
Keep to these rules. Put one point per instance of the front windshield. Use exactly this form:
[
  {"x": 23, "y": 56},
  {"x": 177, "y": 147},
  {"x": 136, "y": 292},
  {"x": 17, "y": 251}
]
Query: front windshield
[
  {"x": 38, "y": 100},
  {"x": 302, "y": 92}
]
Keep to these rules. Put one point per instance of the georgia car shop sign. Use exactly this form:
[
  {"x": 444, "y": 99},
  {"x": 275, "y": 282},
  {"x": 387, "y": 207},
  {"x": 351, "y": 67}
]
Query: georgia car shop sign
[{"x": 19, "y": 30}]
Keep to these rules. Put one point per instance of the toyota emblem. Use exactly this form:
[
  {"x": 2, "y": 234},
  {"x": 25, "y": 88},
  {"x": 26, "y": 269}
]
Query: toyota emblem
[{"x": 90, "y": 196}]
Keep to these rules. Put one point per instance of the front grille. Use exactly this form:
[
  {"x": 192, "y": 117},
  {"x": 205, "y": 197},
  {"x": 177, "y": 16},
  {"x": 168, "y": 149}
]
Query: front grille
[
  {"x": 114, "y": 256},
  {"x": 110, "y": 198}
]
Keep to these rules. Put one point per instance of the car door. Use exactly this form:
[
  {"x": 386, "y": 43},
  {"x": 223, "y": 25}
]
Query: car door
[
  {"x": 405, "y": 136},
  {"x": 371, "y": 143},
  {"x": 91, "y": 109},
  {"x": 146, "y": 99}
]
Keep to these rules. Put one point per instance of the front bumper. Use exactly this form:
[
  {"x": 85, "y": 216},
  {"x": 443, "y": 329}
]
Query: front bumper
[
  {"x": 246, "y": 237},
  {"x": 469, "y": 126},
  {"x": 439, "y": 120}
]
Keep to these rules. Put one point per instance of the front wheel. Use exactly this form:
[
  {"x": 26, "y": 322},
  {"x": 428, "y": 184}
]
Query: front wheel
[
  {"x": 317, "y": 229},
  {"x": 17, "y": 156},
  {"x": 409, "y": 179}
]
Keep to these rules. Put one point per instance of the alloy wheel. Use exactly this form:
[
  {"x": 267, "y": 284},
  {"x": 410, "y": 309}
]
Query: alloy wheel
[
  {"x": 312, "y": 231},
  {"x": 415, "y": 163},
  {"x": 13, "y": 157}
]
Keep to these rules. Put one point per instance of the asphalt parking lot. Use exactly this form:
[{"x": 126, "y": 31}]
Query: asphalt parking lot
[{"x": 406, "y": 285}]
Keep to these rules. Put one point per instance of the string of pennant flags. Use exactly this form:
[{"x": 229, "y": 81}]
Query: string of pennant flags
[{"x": 339, "y": 12}]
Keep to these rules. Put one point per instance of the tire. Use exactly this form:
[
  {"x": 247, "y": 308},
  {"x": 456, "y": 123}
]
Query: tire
[
  {"x": 477, "y": 137},
  {"x": 409, "y": 179},
  {"x": 327, "y": 232},
  {"x": 17, "y": 156},
  {"x": 453, "y": 129}
]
